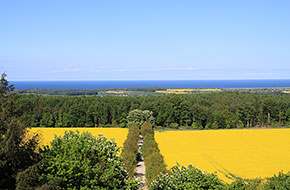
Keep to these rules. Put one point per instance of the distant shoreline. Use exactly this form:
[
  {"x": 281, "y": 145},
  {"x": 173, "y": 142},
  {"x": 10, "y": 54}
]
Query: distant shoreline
[{"x": 267, "y": 83}]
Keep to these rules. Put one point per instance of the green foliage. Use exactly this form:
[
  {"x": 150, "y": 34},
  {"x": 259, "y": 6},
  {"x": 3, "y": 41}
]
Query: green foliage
[
  {"x": 154, "y": 165},
  {"x": 16, "y": 152},
  {"x": 228, "y": 110},
  {"x": 139, "y": 117},
  {"x": 130, "y": 150},
  {"x": 153, "y": 159},
  {"x": 278, "y": 182},
  {"x": 182, "y": 178},
  {"x": 174, "y": 125},
  {"x": 246, "y": 184},
  {"x": 146, "y": 129},
  {"x": 28, "y": 178},
  {"x": 79, "y": 161}
]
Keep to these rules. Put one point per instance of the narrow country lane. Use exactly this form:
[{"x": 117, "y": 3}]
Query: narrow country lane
[{"x": 140, "y": 169}]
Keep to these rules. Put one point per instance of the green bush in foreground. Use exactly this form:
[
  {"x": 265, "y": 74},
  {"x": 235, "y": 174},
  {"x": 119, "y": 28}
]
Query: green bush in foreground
[
  {"x": 182, "y": 178},
  {"x": 278, "y": 182},
  {"x": 246, "y": 184},
  {"x": 191, "y": 178},
  {"x": 78, "y": 161}
]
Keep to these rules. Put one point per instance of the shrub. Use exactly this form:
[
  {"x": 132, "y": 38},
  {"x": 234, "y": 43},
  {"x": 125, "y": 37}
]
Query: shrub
[
  {"x": 146, "y": 129},
  {"x": 278, "y": 182},
  {"x": 130, "y": 150},
  {"x": 182, "y": 178},
  {"x": 154, "y": 165},
  {"x": 153, "y": 159},
  {"x": 246, "y": 184}
]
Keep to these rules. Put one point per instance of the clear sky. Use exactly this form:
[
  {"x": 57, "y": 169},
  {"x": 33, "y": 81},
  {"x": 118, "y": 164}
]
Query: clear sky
[{"x": 144, "y": 40}]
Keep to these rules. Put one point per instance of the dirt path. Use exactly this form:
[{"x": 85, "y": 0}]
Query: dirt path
[{"x": 140, "y": 169}]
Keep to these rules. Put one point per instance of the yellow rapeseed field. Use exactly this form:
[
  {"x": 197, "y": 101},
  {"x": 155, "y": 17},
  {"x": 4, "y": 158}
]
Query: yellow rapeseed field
[
  {"x": 187, "y": 90},
  {"x": 113, "y": 92},
  {"x": 247, "y": 153},
  {"x": 47, "y": 134}
]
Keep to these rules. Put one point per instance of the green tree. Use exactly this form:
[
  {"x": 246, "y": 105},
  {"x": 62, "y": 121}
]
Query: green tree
[
  {"x": 16, "y": 152},
  {"x": 47, "y": 120},
  {"x": 130, "y": 150},
  {"x": 220, "y": 120},
  {"x": 146, "y": 129},
  {"x": 139, "y": 117}
]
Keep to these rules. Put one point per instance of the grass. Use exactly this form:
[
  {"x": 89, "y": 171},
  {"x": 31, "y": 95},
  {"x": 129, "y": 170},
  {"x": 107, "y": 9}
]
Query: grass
[{"x": 254, "y": 153}]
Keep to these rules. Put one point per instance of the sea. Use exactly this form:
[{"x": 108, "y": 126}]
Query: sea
[{"x": 151, "y": 83}]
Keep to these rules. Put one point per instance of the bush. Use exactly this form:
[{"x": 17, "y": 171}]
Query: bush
[
  {"x": 153, "y": 159},
  {"x": 146, "y": 129},
  {"x": 130, "y": 150},
  {"x": 78, "y": 161},
  {"x": 246, "y": 184},
  {"x": 155, "y": 165},
  {"x": 148, "y": 143},
  {"x": 278, "y": 182},
  {"x": 182, "y": 178}
]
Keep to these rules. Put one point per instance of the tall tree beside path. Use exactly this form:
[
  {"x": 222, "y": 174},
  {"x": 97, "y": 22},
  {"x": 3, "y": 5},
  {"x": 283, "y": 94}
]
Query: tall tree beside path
[{"x": 16, "y": 152}]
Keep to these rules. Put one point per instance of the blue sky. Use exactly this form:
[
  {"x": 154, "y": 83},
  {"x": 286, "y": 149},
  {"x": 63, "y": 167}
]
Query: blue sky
[{"x": 145, "y": 40}]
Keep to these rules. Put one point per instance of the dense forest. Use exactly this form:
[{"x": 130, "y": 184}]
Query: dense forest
[{"x": 196, "y": 111}]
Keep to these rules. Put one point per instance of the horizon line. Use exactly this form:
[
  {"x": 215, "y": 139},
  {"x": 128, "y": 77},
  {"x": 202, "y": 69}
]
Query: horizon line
[{"x": 73, "y": 80}]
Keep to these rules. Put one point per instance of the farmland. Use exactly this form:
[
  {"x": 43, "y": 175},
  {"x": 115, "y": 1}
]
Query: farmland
[
  {"x": 47, "y": 134},
  {"x": 186, "y": 91},
  {"x": 246, "y": 153}
]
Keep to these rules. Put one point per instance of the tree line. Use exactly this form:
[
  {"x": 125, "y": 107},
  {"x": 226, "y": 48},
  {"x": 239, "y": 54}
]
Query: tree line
[{"x": 197, "y": 111}]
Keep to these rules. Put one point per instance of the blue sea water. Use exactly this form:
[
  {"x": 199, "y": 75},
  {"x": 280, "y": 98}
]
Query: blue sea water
[{"x": 151, "y": 83}]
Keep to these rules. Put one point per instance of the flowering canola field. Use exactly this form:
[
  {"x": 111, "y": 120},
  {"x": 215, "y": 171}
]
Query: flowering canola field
[
  {"x": 246, "y": 153},
  {"x": 47, "y": 134},
  {"x": 187, "y": 90}
]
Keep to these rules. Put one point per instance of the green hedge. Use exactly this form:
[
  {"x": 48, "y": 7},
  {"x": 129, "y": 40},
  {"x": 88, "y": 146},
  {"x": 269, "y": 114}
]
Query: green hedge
[
  {"x": 153, "y": 159},
  {"x": 130, "y": 150}
]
